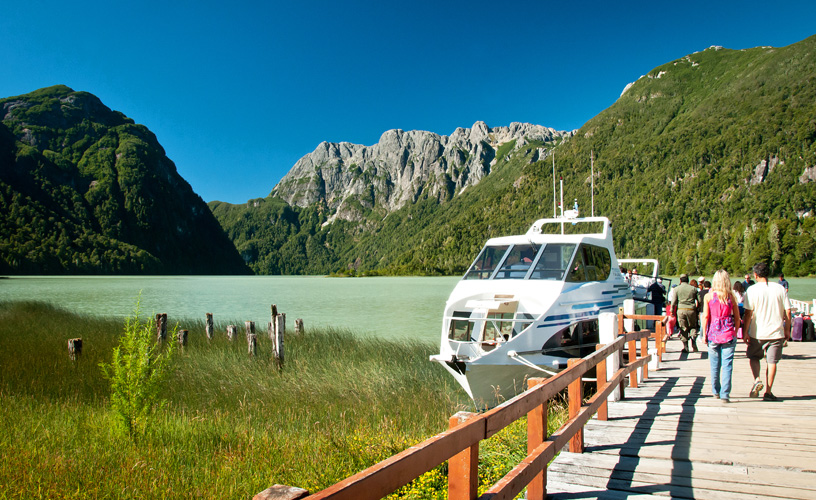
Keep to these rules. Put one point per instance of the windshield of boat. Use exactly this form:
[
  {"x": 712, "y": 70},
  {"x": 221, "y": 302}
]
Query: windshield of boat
[{"x": 548, "y": 262}]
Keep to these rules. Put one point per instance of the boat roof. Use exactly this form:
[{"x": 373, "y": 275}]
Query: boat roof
[{"x": 565, "y": 228}]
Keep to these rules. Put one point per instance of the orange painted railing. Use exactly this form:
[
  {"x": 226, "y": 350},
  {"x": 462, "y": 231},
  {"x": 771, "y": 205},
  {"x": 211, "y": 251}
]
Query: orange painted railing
[{"x": 460, "y": 443}]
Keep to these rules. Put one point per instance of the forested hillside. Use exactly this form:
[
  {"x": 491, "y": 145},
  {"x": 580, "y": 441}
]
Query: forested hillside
[
  {"x": 706, "y": 162},
  {"x": 85, "y": 190}
]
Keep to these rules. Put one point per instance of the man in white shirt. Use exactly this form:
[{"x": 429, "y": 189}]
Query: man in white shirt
[{"x": 768, "y": 316}]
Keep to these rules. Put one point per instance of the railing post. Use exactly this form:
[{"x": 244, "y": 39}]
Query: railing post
[
  {"x": 621, "y": 331},
  {"x": 576, "y": 400},
  {"x": 600, "y": 370},
  {"x": 644, "y": 351},
  {"x": 658, "y": 335},
  {"x": 536, "y": 434},
  {"x": 463, "y": 468},
  {"x": 633, "y": 382},
  {"x": 629, "y": 310},
  {"x": 608, "y": 324}
]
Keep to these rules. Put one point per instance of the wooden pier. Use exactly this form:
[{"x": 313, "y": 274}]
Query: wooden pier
[{"x": 670, "y": 438}]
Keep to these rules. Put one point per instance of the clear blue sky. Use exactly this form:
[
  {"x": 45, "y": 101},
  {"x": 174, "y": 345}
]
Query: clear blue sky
[{"x": 236, "y": 92}]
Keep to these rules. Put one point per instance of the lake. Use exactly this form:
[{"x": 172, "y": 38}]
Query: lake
[{"x": 387, "y": 307}]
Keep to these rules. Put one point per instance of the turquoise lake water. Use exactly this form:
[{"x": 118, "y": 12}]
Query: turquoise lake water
[{"x": 387, "y": 307}]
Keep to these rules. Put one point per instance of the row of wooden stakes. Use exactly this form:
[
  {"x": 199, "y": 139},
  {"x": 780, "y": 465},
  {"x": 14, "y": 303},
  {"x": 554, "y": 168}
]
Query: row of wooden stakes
[{"x": 276, "y": 330}]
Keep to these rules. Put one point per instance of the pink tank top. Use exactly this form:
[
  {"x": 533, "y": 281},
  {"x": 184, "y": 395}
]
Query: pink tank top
[{"x": 721, "y": 323}]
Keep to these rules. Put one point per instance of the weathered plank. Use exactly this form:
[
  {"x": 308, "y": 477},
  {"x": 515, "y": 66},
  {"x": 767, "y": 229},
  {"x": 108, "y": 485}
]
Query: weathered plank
[{"x": 671, "y": 438}]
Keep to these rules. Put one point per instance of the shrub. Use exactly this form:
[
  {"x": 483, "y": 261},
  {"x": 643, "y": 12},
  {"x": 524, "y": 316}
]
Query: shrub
[{"x": 137, "y": 372}]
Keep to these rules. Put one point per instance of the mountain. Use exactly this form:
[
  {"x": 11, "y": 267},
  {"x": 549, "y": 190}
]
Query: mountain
[
  {"x": 85, "y": 190},
  {"x": 705, "y": 162},
  {"x": 403, "y": 166},
  {"x": 337, "y": 195}
]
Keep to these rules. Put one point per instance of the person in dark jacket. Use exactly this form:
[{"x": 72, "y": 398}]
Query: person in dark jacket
[{"x": 685, "y": 307}]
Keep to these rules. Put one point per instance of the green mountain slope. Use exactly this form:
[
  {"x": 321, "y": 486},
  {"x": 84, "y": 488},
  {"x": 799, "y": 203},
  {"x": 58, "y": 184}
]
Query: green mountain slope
[
  {"x": 84, "y": 190},
  {"x": 706, "y": 162}
]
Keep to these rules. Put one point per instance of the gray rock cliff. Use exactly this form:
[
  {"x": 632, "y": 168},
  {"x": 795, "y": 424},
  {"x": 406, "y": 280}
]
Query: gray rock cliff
[{"x": 401, "y": 167}]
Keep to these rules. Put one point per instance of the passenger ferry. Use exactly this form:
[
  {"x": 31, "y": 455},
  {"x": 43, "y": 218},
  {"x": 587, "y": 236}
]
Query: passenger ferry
[{"x": 528, "y": 304}]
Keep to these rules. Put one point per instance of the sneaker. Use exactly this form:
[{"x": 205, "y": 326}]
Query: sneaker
[
  {"x": 725, "y": 400},
  {"x": 758, "y": 386},
  {"x": 769, "y": 397}
]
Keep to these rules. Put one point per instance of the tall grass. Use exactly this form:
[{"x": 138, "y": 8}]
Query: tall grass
[{"x": 234, "y": 425}]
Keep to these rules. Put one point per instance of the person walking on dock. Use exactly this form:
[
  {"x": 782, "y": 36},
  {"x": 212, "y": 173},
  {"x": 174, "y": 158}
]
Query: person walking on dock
[
  {"x": 768, "y": 320},
  {"x": 720, "y": 322},
  {"x": 782, "y": 281},
  {"x": 685, "y": 304}
]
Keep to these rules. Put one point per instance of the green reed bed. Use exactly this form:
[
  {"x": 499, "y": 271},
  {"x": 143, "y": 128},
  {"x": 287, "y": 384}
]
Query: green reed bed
[{"x": 233, "y": 424}]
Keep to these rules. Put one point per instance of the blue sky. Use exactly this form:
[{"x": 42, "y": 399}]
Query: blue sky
[{"x": 237, "y": 92}]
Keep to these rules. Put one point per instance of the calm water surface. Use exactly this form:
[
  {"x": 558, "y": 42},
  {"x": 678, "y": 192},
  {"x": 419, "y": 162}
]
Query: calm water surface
[
  {"x": 388, "y": 307},
  {"x": 405, "y": 307}
]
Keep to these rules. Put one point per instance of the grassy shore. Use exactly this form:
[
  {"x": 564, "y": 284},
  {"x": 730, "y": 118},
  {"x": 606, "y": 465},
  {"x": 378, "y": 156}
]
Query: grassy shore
[{"x": 233, "y": 425}]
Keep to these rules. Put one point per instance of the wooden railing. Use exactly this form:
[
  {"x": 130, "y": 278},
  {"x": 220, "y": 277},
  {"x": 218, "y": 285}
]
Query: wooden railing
[
  {"x": 460, "y": 443},
  {"x": 803, "y": 306}
]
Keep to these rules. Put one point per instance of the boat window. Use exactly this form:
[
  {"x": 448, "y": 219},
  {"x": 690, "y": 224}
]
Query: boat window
[
  {"x": 522, "y": 325},
  {"x": 591, "y": 263},
  {"x": 498, "y": 327},
  {"x": 577, "y": 340},
  {"x": 460, "y": 329},
  {"x": 553, "y": 262},
  {"x": 486, "y": 263},
  {"x": 602, "y": 262},
  {"x": 518, "y": 261},
  {"x": 576, "y": 272}
]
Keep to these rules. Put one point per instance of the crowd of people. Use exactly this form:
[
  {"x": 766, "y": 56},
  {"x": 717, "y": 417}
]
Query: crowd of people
[{"x": 756, "y": 310}]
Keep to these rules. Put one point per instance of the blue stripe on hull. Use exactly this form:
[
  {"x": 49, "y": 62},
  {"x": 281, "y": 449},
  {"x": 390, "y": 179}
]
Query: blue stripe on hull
[{"x": 567, "y": 319}]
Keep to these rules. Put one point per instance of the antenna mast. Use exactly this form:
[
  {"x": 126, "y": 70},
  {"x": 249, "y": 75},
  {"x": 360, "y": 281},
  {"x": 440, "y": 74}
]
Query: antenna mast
[
  {"x": 555, "y": 213},
  {"x": 592, "y": 178},
  {"x": 562, "y": 202}
]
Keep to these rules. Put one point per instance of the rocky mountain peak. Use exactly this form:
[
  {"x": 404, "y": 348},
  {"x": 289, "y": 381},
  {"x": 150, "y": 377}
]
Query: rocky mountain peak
[{"x": 401, "y": 167}]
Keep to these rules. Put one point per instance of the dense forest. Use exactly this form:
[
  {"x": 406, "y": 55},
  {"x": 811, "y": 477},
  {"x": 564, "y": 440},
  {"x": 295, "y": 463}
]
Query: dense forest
[
  {"x": 706, "y": 162},
  {"x": 85, "y": 190}
]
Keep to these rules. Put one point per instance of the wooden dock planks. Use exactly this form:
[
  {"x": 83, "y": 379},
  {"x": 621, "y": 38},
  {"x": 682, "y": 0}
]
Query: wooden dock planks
[{"x": 671, "y": 438}]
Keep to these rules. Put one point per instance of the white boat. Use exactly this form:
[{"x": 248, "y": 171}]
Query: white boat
[{"x": 528, "y": 304}]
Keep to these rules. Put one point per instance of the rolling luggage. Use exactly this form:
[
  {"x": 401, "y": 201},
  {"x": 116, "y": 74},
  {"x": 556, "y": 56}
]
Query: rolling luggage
[
  {"x": 810, "y": 334},
  {"x": 798, "y": 326}
]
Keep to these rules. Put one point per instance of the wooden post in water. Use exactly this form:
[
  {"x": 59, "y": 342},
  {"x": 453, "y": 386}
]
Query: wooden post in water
[
  {"x": 161, "y": 327},
  {"x": 298, "y": 326},
  {"x": 182, "y": 337},
  {"x": 272, "y": 323},
  {"x": 277, "y": 341},
  {"x": 208, "y": 329},
  {"x": 232, "y": 331},
  {"x": 74, "y": 349},
  {"x": 252, "y": 344}
]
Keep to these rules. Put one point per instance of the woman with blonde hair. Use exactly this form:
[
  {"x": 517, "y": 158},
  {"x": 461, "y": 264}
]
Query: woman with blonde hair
[{"x": 721, "y": 320}]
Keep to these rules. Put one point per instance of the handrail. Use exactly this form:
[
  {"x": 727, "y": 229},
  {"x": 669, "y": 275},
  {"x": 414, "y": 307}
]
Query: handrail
[{"x": 459, "y": 444}]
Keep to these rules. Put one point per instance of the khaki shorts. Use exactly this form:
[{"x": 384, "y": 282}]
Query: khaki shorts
[{"x": 770, "y": 349}]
